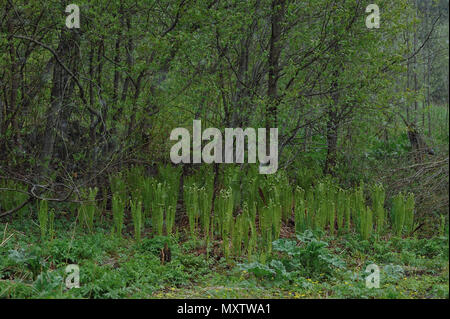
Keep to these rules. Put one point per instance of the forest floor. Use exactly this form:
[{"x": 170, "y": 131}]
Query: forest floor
[{"x": 123, "y": 268}]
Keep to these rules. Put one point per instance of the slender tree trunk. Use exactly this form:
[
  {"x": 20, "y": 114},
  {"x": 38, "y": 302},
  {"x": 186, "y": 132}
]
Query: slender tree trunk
[
  {"x": 332, "y": 129},
  {"x": 408, "y": 76},
  {"x": 59, "y": 97},
  {"x": 448, "y": 103},
  {"x": 415, "y": 70},
  {"x": 428, "y": 71},
  {"x": 12, "y": 105},
  {"x": 92, "y": 135},
  {"x": 117, "y": 60},
  {"x": 274, "y": 68},
  {"x": 332, "y": 120}
]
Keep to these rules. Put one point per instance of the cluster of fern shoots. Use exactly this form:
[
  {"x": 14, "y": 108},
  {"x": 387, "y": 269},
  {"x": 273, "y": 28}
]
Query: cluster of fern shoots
[{"x": 243, "y": 212}]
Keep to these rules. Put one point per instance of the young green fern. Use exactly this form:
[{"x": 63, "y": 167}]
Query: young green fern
[
  {"x": 310, "y": 209},
  {"x": 340, "y": 209},
  {"x": 170, "y": 176},
  {"x": 136, "y": 215},
  {"x": 191, "y": 193},
  {"x": 237, "y": 235},
  {"x": 148, "y": 195},
  {"x": 330, "y": 197},
  {"x": 225, "y": 223},
  {"x": 359, "y": 207},
  {"x": 300, "y": 217},
  {"x": 266, "y": 227},
  {"x": 205, "y": 203},
  {"x": 87, "y": 210},
  {"x": 245, "y": 226},
  {"x": 118, "y": 209},
  {"x": 398, "y": 214},
  {"x": 286, "y": 197},
  {"x": 170, "y": 219},
  {"x": 277, "y": 217},
  {"x": 252, "y": 241},
  {"x": 348, "y": 203},
  {"x": 332, "y": 215},
  {"x": 378, "y": 197},
  {"x": 366, "y": 223},
  {"x": 158, "y": 209}
]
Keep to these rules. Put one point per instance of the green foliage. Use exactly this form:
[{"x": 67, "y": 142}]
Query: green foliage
[
  {"x": 191, "y": 193},
  {"x": 304, "y": 267},
  {"x": 118, "y": 210},
  {"x": 347, "y": 208},
  {"x": 341, "y": 209},
  {"x": 158, "y": 203},
  {"x": 136, "y": 214},
  {"x": 366, "y": 223},
  {"x": 409, "y": 213},
  {"x": 237, "y": 235},
  {"x": 252, "y": 240},
  {"x": 88, "y": 210},
  {"x": 51, "y": 223},
  {"x": 286, "y": 197},
  {"x": 378, "y": 197},
  {"x": 300, "y": 216},
  {"x": 211, "y": 61},
  {"x": 171, "y": 177},
  {"x": 15, "y": 195},
  {"x": 442, "y": 225},
  {"x": 224, "y": 219},
  {"x": 43, "y": 218},
  {"x": 118, "y": 186},
  {"x": 205, "y": 195},
  {"x": 305, "y": 257},
  {"x": 398, "y": 214},
  {"x": 266, "y": 220},
  {"x": 148, "y": 186},
  {"x": 30, "y": 260}
]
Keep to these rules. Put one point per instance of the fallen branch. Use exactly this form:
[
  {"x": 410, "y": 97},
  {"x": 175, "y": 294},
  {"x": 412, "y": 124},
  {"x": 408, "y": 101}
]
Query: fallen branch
[{"x": 12, "y": 211}]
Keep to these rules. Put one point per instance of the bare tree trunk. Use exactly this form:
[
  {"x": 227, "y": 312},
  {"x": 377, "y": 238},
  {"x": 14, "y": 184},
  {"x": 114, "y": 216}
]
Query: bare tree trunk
[
  {"x": 333, "y": 121},
  {"x": 415, "y": 70},
  {"x": 428, "y": 72},
  {"x": 408, "y": 76},
  {"x": 332, "y": 129},
  {"x": 117, "y": 60},
  {"x": 92, "y": 135},
  {"x": 274, "y": 68},
  {"x": 59, "y": 97},
  {"x": 448, "y": 103},
  {"x": 12, "y": 105}
]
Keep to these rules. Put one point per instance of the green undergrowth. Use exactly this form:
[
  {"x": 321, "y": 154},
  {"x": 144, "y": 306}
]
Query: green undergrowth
[{"x": 306, "y": 265}]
